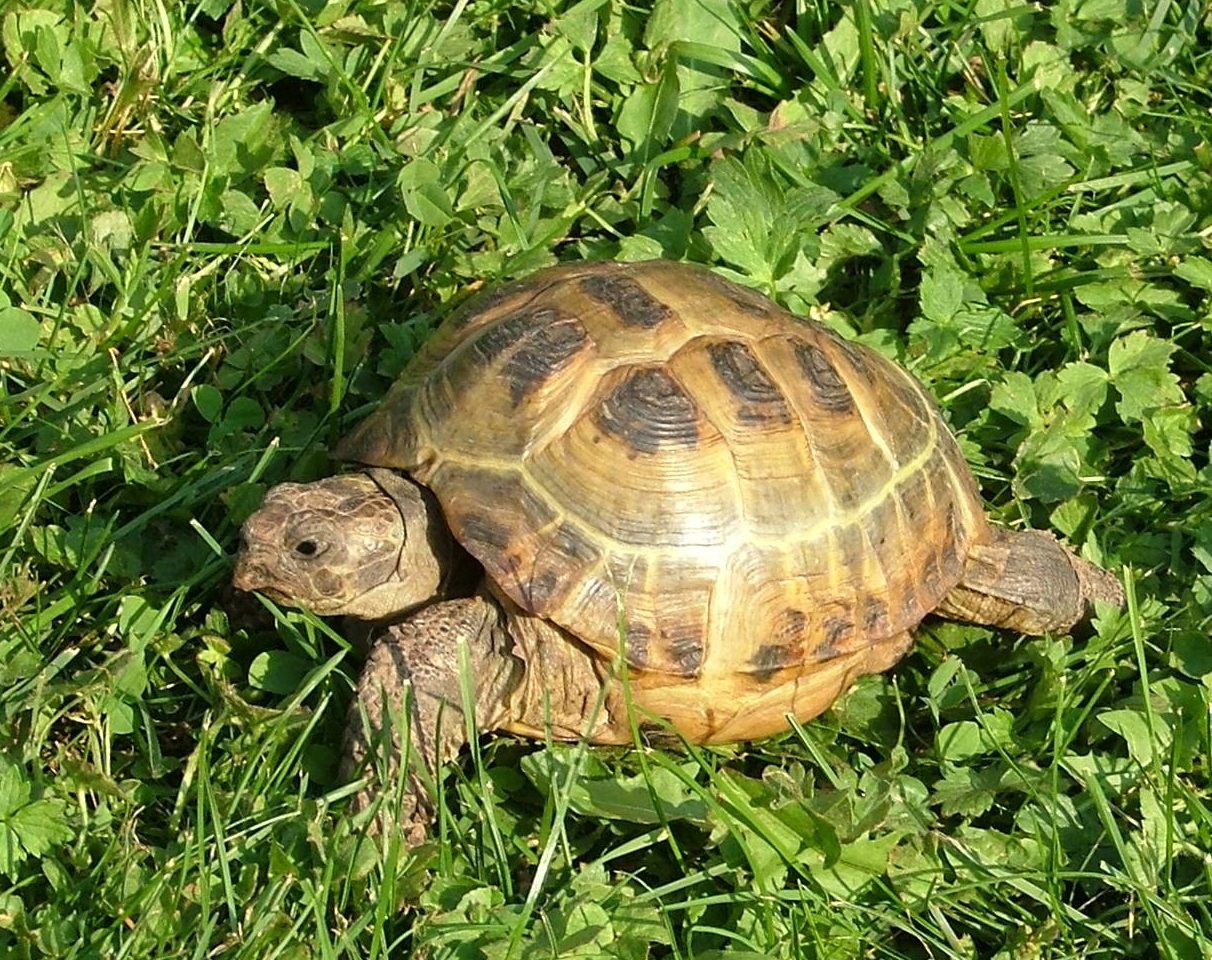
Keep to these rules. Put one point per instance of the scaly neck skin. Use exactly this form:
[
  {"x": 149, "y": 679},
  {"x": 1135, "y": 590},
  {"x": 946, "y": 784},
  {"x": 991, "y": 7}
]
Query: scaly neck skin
[{"x": 429, "y": 559}]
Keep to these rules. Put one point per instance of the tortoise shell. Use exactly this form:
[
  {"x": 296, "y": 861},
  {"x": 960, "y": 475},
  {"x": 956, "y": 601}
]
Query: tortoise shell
[{"x": 649, "y": 454}]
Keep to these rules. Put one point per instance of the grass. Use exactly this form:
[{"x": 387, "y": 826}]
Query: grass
[{"x": 225, "y": 227}]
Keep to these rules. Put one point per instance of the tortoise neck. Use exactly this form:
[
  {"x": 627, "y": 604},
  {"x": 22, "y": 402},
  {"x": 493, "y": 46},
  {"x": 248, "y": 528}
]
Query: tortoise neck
[{"x": 431, "y": 565}]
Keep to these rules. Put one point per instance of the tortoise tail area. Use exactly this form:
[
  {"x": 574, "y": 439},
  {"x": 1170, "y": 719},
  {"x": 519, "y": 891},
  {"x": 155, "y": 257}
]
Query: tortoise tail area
[{"x": 1028, "y": 581}]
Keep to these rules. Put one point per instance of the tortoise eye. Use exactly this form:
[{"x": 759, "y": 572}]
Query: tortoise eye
[{"x": 308, "y": 549}]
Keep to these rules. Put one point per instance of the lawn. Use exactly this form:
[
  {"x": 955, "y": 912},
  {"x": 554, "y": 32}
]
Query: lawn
[{"x": 226, "y": 225}]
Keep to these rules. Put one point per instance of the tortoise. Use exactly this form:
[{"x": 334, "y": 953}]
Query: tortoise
[{"x": 681, "y": 497}]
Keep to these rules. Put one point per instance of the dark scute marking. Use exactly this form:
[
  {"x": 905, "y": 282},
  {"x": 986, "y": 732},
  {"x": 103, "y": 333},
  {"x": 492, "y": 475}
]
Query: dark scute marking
[
  {"x": 875, "y": 618},
  {"x": 636, "y": 638},
  {"x": 827, "y": 386},
  {"x": 572, "y": 544},
  {"x": 833, "y": 631},
  {"x": 932, "y": 575},
  {"x": 858, "y": 355},
  {"x": 767, "y": 660},
  {"x": 949, "y": 560},
  {"x": 649, "y": 409},
  {"x": 949, "y": 521},
  {"x": 786, "y": 648},
  {"x": 635, "y": 306},
  {"x": 945, "y": 569},
  {"x": 527, "y": 503},
  {"x": 481, "y": 530},
  {"x": 911, "y": 609},
  {"x": 538, "y": 591},
  {"x": 542, "y": 352},
  {"x": 523, "y": 289},
  {"x": 791, "y": 625},
  {"x": 743, "y": 298},
  {"x": 686, "y": 654},
  {"x": 761, "y": 401},
  {"x": 914, "y": 498},
  {"x": 654, "y": 734},
  {"x": 565, "y": 549},
  {"x": 499, "y": 338}
]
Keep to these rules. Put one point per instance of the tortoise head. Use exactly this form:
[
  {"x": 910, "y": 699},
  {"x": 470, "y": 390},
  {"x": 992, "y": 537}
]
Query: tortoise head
[{"x": 370, "y": 545}]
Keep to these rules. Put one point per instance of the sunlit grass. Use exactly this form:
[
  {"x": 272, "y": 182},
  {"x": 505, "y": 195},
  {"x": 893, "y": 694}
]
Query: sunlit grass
[{"x": 225, "y": 228}]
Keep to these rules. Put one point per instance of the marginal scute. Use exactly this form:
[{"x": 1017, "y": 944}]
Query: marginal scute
[
  {"x": 932, "y": 577},
  {"x": 686, "y": 653},
  {"x": 859, "y": 357},
  {"x": 910, "y": 608},
  {"x": 482, "y": 533},
  {"x": 563, "y": 556},
  {"x": 572, "y": 545},
  {"x": 790, "y": 625},
  {"x": 538, "y": 591},
  {"x": 875, "y": 617},
  {"x": 743, "y": 299},
  {"x": 485, "y": 302},
  {"x": 914, "y": 500},
  {"x": 949, "y": 560},
  {"x": 903, "y": 397},
  {"x": 766, "y": 661},
  {"x": 636, "y": 639},
  {"x": 833, "y": 631}
]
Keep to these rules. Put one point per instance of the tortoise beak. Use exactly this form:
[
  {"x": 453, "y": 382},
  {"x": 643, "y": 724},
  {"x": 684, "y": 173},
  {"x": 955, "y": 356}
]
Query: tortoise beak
[{"x": 251, "y": 572}]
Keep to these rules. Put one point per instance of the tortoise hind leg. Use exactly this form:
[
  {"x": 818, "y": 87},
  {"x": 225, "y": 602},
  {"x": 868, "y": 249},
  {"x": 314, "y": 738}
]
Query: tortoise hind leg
[{"x": 1028, "y": 581}]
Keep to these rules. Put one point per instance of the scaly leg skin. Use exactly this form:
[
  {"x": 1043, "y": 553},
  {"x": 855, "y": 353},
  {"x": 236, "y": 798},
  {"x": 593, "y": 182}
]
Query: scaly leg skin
[{"x": 411, "y": 680}]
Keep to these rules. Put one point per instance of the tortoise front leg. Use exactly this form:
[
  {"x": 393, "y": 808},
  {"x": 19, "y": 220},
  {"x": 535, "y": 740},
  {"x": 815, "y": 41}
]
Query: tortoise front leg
[{"x": 411, "y": 686}]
